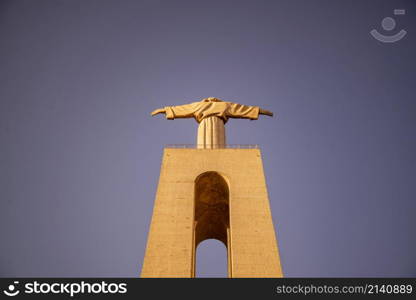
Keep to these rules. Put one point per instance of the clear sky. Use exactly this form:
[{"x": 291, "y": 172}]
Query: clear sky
[{"x": 80, "y": 154}]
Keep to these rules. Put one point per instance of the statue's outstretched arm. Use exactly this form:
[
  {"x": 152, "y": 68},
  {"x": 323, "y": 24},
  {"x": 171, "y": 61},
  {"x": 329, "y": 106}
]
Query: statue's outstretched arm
[
  {"x": 175, "y": 112},
  {"x": 265, "y": 112},
  {"x": 236, "y": 110},
  {"x": 158, "y": 111}
]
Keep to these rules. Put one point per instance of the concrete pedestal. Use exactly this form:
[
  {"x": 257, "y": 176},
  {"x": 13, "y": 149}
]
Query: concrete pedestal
[{"x": 212, "y": 193}]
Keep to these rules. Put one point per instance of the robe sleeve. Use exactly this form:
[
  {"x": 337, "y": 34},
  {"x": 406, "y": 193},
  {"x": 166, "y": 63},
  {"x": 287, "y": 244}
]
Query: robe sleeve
[
  {"x": 180, "y": 111},
  {"x": 236, "y": 110}
]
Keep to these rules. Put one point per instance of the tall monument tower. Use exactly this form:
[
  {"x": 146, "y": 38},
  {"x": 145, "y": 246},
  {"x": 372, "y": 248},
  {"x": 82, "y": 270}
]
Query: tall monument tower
[{"x": 212, "y": 192}]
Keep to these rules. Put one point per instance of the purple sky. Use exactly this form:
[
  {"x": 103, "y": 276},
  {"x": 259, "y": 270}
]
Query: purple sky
[{"x": 80, "y": 155}]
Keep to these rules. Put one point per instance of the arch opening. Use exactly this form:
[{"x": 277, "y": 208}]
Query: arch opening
[
  {"x": 212, "y": 213},
  {"x": 211, "y": 259}
]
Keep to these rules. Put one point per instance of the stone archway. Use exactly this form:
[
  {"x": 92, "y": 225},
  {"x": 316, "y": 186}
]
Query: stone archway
[{"x": 211, "y": 212}]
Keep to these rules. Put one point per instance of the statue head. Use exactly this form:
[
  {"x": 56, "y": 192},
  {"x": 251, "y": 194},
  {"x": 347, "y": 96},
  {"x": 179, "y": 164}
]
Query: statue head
[{"x": 211, "y": 99}]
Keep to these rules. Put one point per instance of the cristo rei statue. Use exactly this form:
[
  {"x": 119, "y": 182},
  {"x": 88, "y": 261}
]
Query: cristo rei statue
[{"x": 212, "y": 114}]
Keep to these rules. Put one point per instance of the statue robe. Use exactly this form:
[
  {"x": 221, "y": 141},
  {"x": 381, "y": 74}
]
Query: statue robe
[{"x": 211, "y": 117}]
